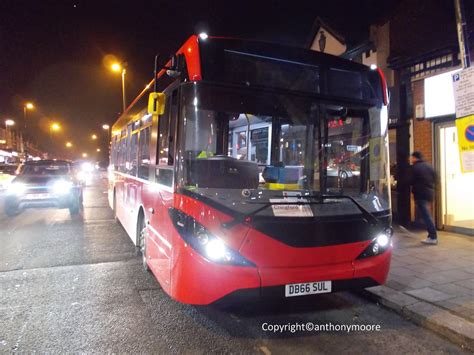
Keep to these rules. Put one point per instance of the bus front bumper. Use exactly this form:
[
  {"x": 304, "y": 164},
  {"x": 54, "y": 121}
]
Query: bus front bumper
[{"x": 198, "y": 281}]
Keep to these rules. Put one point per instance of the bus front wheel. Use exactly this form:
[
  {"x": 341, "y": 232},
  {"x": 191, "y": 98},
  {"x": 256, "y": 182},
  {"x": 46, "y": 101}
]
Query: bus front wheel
[{"x": 142, "y": 241}]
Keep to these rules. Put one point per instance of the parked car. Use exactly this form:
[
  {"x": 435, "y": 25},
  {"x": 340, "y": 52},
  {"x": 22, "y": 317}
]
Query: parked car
[
  {"x": 44, "y": 183},
  {"x": 343, "y": 171},
  {"x": 7, "y": 174}
]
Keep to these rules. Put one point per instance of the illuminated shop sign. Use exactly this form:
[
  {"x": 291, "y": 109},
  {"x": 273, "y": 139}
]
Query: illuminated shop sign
[{"x": 439, "y": 95}]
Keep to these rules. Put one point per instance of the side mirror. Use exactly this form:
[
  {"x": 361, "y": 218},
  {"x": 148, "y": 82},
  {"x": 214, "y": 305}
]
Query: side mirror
[{"x": 156, "y": 103}]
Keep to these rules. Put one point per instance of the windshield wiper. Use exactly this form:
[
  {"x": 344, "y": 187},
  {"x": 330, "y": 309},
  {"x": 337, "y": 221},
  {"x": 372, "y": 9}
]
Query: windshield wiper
[
  {"x": 245, "y": 216},
  {"x": 366, "y": 213},
  {"x": 369, "y": 217}
]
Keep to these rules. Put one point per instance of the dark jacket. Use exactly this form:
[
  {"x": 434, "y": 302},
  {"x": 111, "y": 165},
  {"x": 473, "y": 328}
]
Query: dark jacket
[{"x": 423, "y": 179}]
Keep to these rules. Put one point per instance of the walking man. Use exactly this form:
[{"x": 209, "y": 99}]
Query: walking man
[{"x": 423, "y": 180}]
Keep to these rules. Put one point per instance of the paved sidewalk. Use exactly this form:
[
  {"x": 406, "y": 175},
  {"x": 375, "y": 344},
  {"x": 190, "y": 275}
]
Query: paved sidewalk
[{"x": 433, "y": 285}]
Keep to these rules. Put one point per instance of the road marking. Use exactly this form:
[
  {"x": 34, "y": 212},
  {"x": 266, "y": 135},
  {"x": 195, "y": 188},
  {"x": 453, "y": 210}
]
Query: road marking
[{"x": 22, "y": 331}]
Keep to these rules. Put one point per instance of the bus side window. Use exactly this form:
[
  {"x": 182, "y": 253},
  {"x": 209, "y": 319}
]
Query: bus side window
[
  {"x": 166, "y": 130},
  {"x": 163, "y": 133},
  {"x": 172, "y": 126},
  {"x": 133, "y": 157},
  {"x": 144, "y": 154}
]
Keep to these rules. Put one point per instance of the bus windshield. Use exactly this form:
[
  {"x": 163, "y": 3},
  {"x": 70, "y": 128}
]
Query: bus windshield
[{"x": 237, "y": 145}]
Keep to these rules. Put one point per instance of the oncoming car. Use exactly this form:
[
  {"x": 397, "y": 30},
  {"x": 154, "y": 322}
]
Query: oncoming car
[
  {"x": 44, "y": 183},
  {"x": 84, "y": 172}
]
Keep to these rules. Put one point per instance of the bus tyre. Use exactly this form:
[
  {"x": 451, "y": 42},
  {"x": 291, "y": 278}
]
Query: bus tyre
[
  {"x": 142, "y": 242},
  {"x": 114, "y": 207}
]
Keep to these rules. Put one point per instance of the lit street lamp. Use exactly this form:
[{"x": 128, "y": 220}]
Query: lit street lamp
[
  {"x": 8, "y": 122},
  {"x": 54, "y": 127},
  {"x": 28, "y": 106},
  {"x": 107, "y": 128},
  {"x": 94, "y": 137},
  {"x": 98, "y": 149},
  {"x": 69, "y": 144},
  {"x": 84, "y": 155},
  {"x": 117, "y": 67}
]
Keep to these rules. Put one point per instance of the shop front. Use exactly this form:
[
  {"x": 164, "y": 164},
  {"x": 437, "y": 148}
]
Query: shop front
[{"x": 454, "y": 201}]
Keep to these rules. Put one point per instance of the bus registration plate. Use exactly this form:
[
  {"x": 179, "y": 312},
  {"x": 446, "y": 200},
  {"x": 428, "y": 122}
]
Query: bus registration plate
[
  {"x": 307, "y": 288},
  {"x": 37, "y": 196}
]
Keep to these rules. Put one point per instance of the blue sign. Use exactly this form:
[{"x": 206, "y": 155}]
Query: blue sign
[{"x": 469, "y": 133}]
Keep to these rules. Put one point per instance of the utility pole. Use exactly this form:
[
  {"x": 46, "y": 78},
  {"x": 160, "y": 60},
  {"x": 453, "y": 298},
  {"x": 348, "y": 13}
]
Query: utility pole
[{"x": 461, "y": 27}]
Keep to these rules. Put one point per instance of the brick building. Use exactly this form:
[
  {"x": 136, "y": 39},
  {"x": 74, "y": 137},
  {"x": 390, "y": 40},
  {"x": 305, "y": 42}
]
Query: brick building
[{"x": 417, "y": 48}]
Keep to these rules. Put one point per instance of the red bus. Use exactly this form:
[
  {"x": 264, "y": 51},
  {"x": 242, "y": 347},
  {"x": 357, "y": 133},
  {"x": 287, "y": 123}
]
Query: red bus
[{"x": 223, "y": 174}]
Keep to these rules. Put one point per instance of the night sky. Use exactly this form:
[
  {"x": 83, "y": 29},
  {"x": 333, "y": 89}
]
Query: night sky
[{"x": 51, "y": 52}]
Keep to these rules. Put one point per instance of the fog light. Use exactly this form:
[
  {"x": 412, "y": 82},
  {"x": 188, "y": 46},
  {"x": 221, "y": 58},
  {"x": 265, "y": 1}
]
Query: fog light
[{"x": 375, "y": 248}]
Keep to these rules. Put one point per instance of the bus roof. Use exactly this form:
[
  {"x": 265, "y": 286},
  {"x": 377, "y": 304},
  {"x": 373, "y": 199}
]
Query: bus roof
[{"x": 292, "y": 68}]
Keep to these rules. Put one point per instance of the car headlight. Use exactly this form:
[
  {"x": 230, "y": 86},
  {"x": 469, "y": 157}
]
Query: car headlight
[
  {"x": 206, "y": 244},
  {"x": 87, "y": 167},
  {"x": 17, "y": 188},
  {"x": 379, "y": 244},
  {"x": 62, "y": 187}
]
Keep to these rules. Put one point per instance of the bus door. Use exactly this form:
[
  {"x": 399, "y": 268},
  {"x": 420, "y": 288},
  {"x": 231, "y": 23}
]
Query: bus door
[
  {"x": 160, "y": 249},
  {"x": 251, "y": 145}
]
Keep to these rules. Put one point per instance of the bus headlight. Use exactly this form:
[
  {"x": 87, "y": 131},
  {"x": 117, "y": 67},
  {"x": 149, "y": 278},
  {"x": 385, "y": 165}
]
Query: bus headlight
[
  {"x": 382, "y": 240},
  {"x": 62, "y": 187},
  {"x": 216, "y": 250},
  {"x": 205, "y": 243},
  {"x": 17, "y": 188},
  {"x": 379, "y": 244}
]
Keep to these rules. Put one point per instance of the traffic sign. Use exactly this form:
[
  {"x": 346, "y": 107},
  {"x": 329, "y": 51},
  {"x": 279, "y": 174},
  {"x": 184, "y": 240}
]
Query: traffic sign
[
  {"x": 463, "y": 85},
  {"x": 465, "y": 127}
]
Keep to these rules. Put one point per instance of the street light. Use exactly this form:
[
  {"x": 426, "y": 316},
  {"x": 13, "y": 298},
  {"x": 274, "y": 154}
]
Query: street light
[
  {"x": 28, "y": 106},
  {"x": 8, "y": 122},
  {"x": 69, "y": 144},
  {"x": 84, "y": 155},
  {"x": 94, "y": 137},
  {"x": 117, "y": 67},
  {"x": 98, "y": 149},
  {"x": 54, "y": 127}
]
